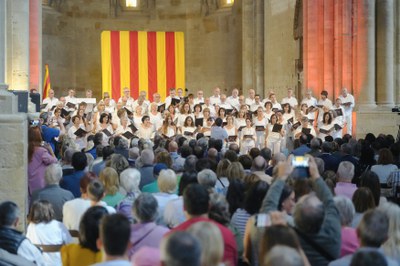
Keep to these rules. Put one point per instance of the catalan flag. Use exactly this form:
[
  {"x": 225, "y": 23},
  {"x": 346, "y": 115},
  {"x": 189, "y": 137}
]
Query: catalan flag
[
  {"x": 142, "y": 61},
  {"x": 46, "y": 82}
]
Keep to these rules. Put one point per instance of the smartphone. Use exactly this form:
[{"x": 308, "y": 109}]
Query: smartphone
[
  {"x": 301, "y": 167},
  {"x": 34, "y": 123}
]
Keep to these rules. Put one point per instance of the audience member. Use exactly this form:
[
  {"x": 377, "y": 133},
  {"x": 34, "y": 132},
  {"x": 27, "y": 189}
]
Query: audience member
[
  {"x": 53, "y": 192},
  {"x": 345, "y": 174},
  {"x": 86, "y": 252},
  {"x": 14, "y": 241}
]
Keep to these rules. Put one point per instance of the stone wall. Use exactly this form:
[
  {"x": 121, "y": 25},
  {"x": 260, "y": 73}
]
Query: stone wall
[
  {"x": 280, "y": 47},
  {"x": 71, "y": 41}
]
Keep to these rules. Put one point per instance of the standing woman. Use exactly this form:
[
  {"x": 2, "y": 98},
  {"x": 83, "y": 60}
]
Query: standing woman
[
  {"x": 248, "y": 137},
  {"x": 287, "y": 112},
  {"x": 184, "y": 112},
  {"x": 260, "y": 124},
  {"x": 268, "y": 110},
  {"x": 100, "y": 109},
  {"x": 231, "y": 129},
  {"x": 172, "y": 111},
  {"x": 155, "y": 116},
  {"x": 197, "y": 111},
  {"x": 44, "y": 229},
  {"x": 56, "y": 120},
  {"x": 137, "y": 117},
  {"x": 168, "y": 128},
  {"x": 222, "y": 114},
  {"x": 274, "y": 138},
  {"x": 326, "y": 128},
  {"x": 146, "y": 128},
  {"x": 40, "y": 155},
  {"x": 189, "y": 130},
  {"x": 204, "y": 127},
  {"x": 104, "y": 123},
  {"x": 240, "y": 122}
]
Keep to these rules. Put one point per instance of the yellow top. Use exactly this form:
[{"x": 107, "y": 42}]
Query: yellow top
[{"x": 75, "y": 255}]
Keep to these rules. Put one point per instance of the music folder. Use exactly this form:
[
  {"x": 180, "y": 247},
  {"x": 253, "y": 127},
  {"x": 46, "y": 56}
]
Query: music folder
[
  {"x": 277, "y": 128},
  {"x": 80, "y": 133}
]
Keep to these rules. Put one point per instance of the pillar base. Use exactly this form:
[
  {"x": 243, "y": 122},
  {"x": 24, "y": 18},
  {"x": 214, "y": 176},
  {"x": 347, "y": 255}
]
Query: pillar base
[{"x": 8, "y": 101}]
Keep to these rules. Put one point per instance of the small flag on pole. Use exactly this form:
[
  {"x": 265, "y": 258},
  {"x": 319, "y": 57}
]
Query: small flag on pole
[{"x": 46, "y": 85}]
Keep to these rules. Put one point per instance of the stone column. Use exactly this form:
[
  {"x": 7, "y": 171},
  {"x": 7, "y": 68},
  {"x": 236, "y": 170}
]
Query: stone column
[
  {"x": 3, "y": 32},
  {"x": 18, "y": 51},
  {"x": 35, "y": 44},
  {"x": 13, "y": 132},
  {"x": 365, "y": 65},
  {"x": 247, "y": 46},
  {"x": 385, "y": 52},
  {"x": 259, "y": 47},
  {"x": 397, "y": 53}
]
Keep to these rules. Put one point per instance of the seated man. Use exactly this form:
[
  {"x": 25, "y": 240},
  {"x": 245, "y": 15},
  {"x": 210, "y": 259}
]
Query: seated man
[
  {"x": 13, "y": 241},
  {"x": 115, "y": 232},
  {"x": 52, "y": 192}
]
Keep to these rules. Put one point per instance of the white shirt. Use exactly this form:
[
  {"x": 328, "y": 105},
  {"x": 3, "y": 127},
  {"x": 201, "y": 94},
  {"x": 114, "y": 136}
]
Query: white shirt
[
  {"x": 71, "y": 100},
  {"x": 250, "y": 101},
  {"x": 129, "y": 102},
  {"x": 215, "y": 100},
  {"x": 28, "y": 251},
  {"x": 168, "y": 101},
  {"x": 348, "y": 98},
  {"x": 198, "y": 100},
  {"x": 52, "y": 233},
  {"x": 233, "y": 101},
  {"x": 50, "y": 103},
  {"x": 310, "y": 102},
  {"x": 292, "y": 101},
  {"x": 156, "y": 120},
  {"x": 74, "y": 209},
  {"x": 326, "y": 102}
]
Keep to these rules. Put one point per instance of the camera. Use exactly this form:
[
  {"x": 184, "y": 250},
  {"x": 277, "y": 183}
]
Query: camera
[
  {"x": 34, "y": 123},
  {"x": 301, "y": 167}
]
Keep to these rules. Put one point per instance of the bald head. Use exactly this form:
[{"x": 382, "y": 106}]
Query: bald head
[
  {"x": 259, "y": 163},
  {"x": 309, "y": 214},
  {"x": 173, "y": 146}
]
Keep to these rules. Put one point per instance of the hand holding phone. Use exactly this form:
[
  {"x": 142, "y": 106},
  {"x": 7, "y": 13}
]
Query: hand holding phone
[{"x": 301, "y": 167}]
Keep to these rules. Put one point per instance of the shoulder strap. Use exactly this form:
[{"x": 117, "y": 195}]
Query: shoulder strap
[{"x": 314, "y": 245}]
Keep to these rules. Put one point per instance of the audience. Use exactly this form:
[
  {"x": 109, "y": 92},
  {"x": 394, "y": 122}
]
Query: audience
[{"x": 224, "y": 207}]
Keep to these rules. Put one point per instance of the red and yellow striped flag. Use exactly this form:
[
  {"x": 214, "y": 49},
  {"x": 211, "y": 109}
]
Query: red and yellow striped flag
[
  {"x": 142, "y": 61},
  {"x": 46, "y": 82}
]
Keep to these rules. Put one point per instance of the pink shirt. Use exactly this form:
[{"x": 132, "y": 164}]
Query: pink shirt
[
  {"x": 349, "y": 241},
  {"x": 345, "y": 189},
  {"x": 41, "y": 158}
]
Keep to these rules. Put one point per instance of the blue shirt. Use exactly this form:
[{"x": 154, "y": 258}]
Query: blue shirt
[
  {"x": 48, "y": 135},
  {"x": 71, "y": 183},
  {"x": 219, "y": 133}
]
